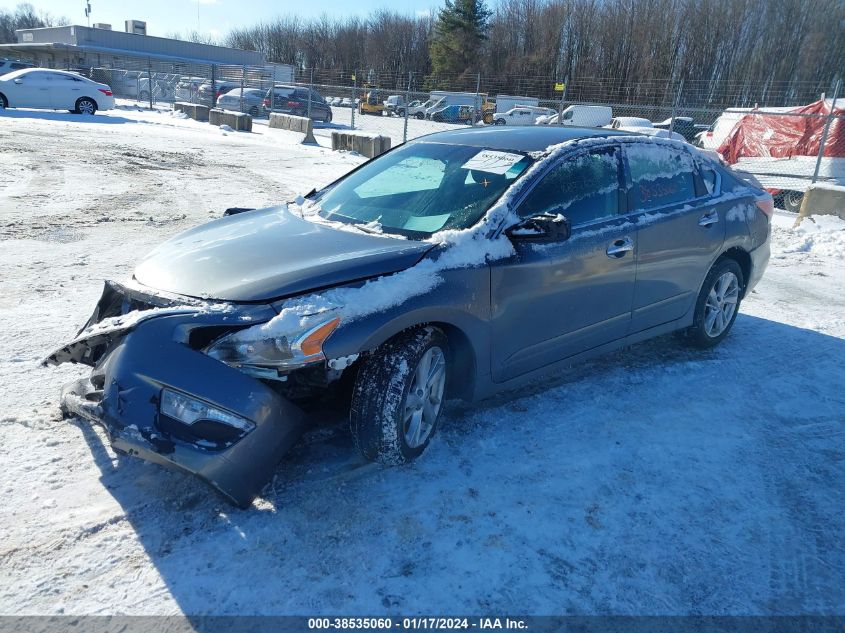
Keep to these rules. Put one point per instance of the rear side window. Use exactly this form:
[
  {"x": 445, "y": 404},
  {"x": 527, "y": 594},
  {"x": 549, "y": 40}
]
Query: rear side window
[
  {"x": 660, "y": 175},
  {"x": 584, "y": 188},
  {"x": 18, "y": 66},
  {"x": 709, "y": 180}
]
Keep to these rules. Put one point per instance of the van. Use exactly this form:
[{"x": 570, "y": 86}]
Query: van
[{"x": 584, "y": 116}]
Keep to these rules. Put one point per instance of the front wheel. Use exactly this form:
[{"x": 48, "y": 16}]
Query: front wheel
[
  {"x": 398, "y": 396},
  {"x": 500, "y": 121},
  {"x": 85, "y": 106},
  {"x": 717, "y": 304},
  {"x": 3, "y": 103},
  {"x": 420, "y": 116}
]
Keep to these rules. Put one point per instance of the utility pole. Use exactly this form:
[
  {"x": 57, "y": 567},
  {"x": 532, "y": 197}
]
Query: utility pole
[{"x": 88, "y": 12}]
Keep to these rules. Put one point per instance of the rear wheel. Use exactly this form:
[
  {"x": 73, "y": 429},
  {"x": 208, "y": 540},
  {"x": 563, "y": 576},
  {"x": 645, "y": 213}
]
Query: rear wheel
[
  {"x": 253, "y": 112},
  {"x": 3, "y": 103},
  {"x": 500, "y": 121},
  {"x": 419, "y": 115},
  {"x": 328, "y": 118},
  {"x": 85, "y": 106},
  {"x": 144, "y": 96},
  {"x": 792, "y": 201},
  {"x": 717, "y": 304},
  {"x": 398, "y": 396}
]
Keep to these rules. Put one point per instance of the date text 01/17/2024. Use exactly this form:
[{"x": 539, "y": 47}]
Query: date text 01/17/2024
[{"x": 417, "y": 623}]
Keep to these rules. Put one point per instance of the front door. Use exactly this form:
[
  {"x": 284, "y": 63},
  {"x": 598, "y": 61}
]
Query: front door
[
  {"x": 552, "y": 301},
  {"x": 33, "y": 91}
]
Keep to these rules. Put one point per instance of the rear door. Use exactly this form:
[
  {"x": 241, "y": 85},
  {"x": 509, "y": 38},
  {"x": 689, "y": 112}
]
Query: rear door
[
  {"x": 680, "y": 231},
  {"x": 65, "y": 90},
  {"x": 552, "y": 301}
]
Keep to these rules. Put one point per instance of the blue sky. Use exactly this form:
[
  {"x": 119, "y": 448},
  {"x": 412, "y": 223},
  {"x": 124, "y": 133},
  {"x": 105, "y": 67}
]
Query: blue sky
[{"x": 215, "y": 16}]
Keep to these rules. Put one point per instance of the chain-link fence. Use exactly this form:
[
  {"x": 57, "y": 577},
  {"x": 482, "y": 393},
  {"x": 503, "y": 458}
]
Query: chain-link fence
[{"x": 785, "y": 134}]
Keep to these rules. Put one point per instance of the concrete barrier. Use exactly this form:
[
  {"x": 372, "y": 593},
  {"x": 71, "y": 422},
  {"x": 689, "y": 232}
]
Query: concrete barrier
[
  {"x": 822, "y": 199},
  {"x": 236, "y": 120},
  {"x": 301, "y": 124},
  {"x": 364, "y": 144},
  {"x": 194, "y": 110}
]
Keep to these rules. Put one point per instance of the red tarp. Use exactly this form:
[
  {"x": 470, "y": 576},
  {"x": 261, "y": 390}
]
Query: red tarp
[{"x": 783, "y": 135}]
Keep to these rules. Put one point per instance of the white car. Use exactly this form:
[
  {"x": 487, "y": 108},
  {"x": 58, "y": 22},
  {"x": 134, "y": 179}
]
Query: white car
[
  {"x": 523, "y": 115},
  {"x": 53, "y": 90}
]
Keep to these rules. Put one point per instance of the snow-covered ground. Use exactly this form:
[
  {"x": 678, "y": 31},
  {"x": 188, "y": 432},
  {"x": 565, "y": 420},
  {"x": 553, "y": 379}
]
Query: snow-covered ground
[{"x": 658, "y": 480}]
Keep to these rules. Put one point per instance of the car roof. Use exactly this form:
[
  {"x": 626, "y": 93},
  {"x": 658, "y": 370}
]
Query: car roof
[{"x": 519, "y": 139}]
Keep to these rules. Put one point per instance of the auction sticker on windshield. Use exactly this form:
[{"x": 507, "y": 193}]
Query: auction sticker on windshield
[{"x": 492, "y": 161}]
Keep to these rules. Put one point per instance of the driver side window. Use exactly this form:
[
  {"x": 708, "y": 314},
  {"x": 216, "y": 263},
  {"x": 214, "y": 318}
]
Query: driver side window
[{"x": 584, "y": 188}]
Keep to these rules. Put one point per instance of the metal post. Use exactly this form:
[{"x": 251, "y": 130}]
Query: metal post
[
  {"x": 562, "y": 98},
  {"x": 405, "y": 109},
  {"x": 354, "y": 96},
  {"x": 310, "y": 88},
  {"x": 243, "y": 76},
  {"x": 150, "y": 80},
  {"x": 273, "y": 91},
  {"x": 675, "y": 107},
  {"x": 823, "y": 140},
  {"x": 477, "y": 107},
  {"x": 213, "y": 85}
]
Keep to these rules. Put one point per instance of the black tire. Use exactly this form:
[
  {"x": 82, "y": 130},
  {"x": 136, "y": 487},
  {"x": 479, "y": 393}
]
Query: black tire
[
  {"x": 4, "y": 103},
  {"x": 84, "y": 105},
  {"x": 253, "y": 112},
  {"x": 420, "y": 116},
  {"x": 380, "y": 397},
  {"x": 437, "y": 118},
  {"x": 144, "y": 95},
  {"x": 400, "y": 114},
  {"x": 499, "y": 121},
  {"x": 328, "y": 118},
  {"x": 698, "y": 335},
  {"x": 792, "y": 201}
]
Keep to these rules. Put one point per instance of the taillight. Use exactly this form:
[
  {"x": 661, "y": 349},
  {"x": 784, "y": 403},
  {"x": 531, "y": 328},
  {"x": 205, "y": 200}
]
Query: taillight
[
  {"x": 293, "y": 104},
  {"x": 766, "y": 204},
  {"x": 105, "y": 92},
  {"x": 266, "y": 103}
]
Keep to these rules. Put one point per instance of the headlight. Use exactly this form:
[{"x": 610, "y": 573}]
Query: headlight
[
  {"x": 189, "y": 410},
  {"x": 260, "y": 346}
]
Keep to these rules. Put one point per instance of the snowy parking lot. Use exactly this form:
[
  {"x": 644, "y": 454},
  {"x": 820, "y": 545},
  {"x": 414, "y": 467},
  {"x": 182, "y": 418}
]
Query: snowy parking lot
[{"x": 657, "y": 480}]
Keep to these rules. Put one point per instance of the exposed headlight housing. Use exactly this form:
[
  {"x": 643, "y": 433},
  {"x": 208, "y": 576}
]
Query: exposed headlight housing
[
  {"x": 265, "y": 348},
  {"x": 189, "y": 410}
]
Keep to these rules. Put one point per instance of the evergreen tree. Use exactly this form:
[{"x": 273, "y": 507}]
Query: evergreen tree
[{"x": 458, "y": 37}]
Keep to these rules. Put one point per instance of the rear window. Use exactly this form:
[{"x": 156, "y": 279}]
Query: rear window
[{"x": 661, "y": 175}]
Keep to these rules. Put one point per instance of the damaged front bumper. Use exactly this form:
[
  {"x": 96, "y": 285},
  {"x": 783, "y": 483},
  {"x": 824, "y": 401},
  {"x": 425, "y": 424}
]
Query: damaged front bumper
[{"x": 136, "y": 364}]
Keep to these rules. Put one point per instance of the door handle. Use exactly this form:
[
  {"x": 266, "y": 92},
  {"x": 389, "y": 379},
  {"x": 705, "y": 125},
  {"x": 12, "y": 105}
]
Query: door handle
[
  {"x": 620, "y": 247},
  {"x": 711, "y": 217}
]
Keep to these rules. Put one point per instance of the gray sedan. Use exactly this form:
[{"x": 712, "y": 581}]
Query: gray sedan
[
  {"x": 466, "y": 263},
  {"x": 251, "y": 103}
]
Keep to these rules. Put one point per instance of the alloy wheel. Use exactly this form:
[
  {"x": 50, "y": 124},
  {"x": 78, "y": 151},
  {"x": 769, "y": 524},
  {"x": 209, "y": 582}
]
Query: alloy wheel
[
  {"x": 425, "y": 397},
  {"x": 86, "y": 106},
  {"x": 721, "y": 304}
]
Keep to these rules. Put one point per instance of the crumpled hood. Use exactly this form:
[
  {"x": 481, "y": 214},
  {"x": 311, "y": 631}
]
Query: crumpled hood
[{"x": 270, "y": 254}]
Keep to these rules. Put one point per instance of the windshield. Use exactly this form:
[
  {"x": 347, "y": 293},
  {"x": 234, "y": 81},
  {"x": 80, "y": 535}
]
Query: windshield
[{"x": 422, "y": 188}]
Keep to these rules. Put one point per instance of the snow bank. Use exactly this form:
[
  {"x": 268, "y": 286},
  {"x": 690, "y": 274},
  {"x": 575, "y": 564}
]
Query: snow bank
[{"x": 822, "y": 235}]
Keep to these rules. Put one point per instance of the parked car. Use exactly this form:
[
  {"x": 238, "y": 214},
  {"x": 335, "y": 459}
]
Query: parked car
[
  {"x": 53, "y": 90},
  {"x": 454, "y": 114},
  {"x": 337, "y": 102},
  {"x": 187, "y": 88},
  {"x": 395, "y": 104},
  {"x": 417, "y": 108},
  {"x": 683, "y": 125},
  {"x": 294, "y": 100},
  {"x": 522, "y": 115},
  {"x": 8, "y": 65},
  {"x": 346, "y": 102},
  {"x": 252, "y": 103},
  {"x": 208, "y": 94},
  {"x": 629, "y": 121},
  {"x": 510, "y": 253}
]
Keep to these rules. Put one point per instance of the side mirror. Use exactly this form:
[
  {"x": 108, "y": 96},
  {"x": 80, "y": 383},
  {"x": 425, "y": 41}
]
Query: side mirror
[
  {"x": 19, "y": 81},
  {"x": 543, "y": 228}
]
